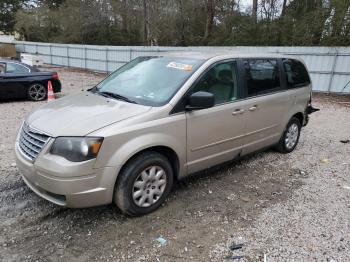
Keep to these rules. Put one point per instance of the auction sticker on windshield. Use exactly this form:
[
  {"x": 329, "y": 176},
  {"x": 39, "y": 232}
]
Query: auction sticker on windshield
[{"x": 180, "y": 66}]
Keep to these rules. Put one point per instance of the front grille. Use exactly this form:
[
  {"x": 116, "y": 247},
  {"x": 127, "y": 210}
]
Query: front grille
[{"x": 31, "y": 142}]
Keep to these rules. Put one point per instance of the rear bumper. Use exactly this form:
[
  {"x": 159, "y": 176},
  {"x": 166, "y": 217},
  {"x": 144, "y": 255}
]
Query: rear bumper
[
  {"x": 309, "y": 110},
  {"x": 56, "y": 186},
  {"x": 56, "y": 85}
]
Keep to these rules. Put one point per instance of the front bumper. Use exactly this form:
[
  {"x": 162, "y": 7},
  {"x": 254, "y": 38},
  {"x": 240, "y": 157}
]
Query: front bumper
[{"x": 76, "y": 186}]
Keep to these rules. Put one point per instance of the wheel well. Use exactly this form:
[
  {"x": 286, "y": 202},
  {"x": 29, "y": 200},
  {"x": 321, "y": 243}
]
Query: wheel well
[
  {"x": 169, "y": 153},
  {"x": 300, "y": 117},
  {"x": 37, "y": 82}
]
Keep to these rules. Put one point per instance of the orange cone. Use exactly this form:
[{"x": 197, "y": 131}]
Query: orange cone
[{"x": 50, "y": 94}]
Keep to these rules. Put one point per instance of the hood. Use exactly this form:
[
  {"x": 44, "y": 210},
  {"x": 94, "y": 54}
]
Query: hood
[{"x": 81, "y": 114}]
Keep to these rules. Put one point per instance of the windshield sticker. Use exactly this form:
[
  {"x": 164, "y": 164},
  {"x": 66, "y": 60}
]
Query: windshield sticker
[{"x": 180, "y": 66}]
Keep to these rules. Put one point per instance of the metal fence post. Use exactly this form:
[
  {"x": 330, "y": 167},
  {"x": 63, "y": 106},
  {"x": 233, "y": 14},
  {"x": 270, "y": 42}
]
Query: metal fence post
[
  {"x": 68, "y": 55},
  {"x": 85, "y": 55},
  {"x": 50, "y": 48},
  {"x": 106, "y": 59},
  {"x": 332, "y": 72},
  {"x": 130, "y": 54}
]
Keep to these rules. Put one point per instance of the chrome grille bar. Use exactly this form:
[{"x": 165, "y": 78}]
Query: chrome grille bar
[
  {"x": 31, "y": 142},
  {"x": 37, "y": 136}
]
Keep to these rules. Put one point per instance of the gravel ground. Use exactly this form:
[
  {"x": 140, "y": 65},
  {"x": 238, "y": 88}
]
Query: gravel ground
[{"x": 291, "y": 207}]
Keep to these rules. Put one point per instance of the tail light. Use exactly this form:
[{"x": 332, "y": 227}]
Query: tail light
[
  {"x": 55, "y": 76},
  {"x": 310, "y": 99}
]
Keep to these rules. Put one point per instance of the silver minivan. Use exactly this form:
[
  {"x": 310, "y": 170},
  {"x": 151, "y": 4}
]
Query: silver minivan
[{"x": 158, "y": 119}]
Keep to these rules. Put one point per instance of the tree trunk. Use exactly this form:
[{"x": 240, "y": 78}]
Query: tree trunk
[
  {"x": 210, "y": 19},
  {"x": 145, "y": 22},
  {"x": 125, "y": 15},
  {"x": 323, "y": 15},
  {"x": 255, "y": 10},
  {"x": 339, "y": 20},
  {"x": 181, "y": 10},
  {"x": 281, "y": 23},
  {"x": 347, "y": 23},
  {"x": 284, "y": 5}
]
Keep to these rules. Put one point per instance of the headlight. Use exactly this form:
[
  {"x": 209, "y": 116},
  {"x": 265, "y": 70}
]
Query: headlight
[{"x": 76, "y": 149}]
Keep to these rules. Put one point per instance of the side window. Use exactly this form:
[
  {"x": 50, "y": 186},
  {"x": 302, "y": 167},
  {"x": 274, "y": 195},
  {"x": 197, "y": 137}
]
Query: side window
[
  {"x": 221, "y": 81},
  {"x": 296, "y": 73},
  {"x": 2, "y": 68},
  {"x": 262, "y": 76},
  {"x": 13, "y": 68}
]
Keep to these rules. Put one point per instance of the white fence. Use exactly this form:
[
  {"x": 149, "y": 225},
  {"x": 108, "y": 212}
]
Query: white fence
[{"x": 329, "y": 67}]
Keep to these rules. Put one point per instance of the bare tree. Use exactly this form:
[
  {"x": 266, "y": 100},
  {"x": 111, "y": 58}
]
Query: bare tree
[
  {"x": 146, "y": 22},
  {"x": 125, "y": 15},
  {"x": 182, "y": 21},
  {"x": 210, "y": 19},
  {"x": 284, "y": 6},
  {"x": 255, "y": 10}
]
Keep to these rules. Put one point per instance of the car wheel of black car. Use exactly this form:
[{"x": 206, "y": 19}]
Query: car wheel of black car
[
  {"x": 143, "y": 184},
  {"x": 36, "y": 92}
]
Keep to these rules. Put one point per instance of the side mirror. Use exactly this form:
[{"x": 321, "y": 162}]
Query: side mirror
[{"x": 200, "y": 100}]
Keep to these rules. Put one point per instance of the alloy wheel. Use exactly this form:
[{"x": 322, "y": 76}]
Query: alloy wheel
[
  {"x": 37, "y": 92},
  {"x": 149, "y": 186},
  {"x": 292, "y": 136}
]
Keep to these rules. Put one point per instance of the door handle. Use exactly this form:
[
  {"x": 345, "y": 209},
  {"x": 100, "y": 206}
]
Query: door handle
[
  {"x": 253, "y": 108},
  {"x": 237, "y": 112}
]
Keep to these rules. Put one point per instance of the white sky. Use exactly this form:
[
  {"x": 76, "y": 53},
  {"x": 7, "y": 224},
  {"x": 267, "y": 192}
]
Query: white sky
[{"x": 246, "y": 3}]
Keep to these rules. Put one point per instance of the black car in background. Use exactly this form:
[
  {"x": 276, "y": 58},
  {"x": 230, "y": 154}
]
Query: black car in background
[{"x": 18, "y": 80}]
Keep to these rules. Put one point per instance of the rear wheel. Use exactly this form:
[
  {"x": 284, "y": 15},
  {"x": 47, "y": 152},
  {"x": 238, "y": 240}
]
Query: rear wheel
[
  {"x": 36, "y": 92},
  {"x": 290, "y": 137},
  {"x": 143, "y": 184}
]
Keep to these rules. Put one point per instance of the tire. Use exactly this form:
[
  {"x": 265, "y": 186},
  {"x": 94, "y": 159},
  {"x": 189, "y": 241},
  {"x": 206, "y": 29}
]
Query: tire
[
  {"x": 290, "y": 138},
  {"x": 143, "y": 179},
  {"x": 37, "y": 92}
]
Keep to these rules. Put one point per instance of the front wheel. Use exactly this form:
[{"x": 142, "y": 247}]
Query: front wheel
[
  {"x": 143, "y": 184},
  {"x": 290, "y": 137},
  {"x": 36, "y": 92}
]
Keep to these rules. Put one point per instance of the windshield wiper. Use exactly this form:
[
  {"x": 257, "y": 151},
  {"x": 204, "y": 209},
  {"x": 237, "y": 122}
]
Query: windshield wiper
[{"x": 116, "y": 96}]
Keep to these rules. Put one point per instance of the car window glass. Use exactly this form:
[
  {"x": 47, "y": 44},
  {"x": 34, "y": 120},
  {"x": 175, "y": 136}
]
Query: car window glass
[
  {"x": 13, "y": 68},
  {"x": 296, "y": 73},
  {"x": 150, "y": 80},
  {"x": 2, "y": 68},
  {"x": 221, "y": 81},
  {"x": 262, "y": 76}
]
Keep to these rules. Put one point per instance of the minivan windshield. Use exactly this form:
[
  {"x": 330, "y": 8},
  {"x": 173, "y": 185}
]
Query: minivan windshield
[{"x": 151, "y": 81}]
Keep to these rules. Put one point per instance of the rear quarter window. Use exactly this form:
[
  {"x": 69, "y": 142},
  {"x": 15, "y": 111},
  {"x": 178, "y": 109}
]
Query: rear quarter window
[
  {"x": 13, "y": 68},
  {"x": 262, "y": 76},
  {"x": 296, "y": 73}
]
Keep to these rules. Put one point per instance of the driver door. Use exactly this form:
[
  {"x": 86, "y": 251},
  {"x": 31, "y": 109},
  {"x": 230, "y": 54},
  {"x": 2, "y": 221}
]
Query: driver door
[
  {"x": 215, "y": 135},
  {"x": 14, "y": 80}
]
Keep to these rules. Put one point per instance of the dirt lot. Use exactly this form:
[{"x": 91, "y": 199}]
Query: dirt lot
[{"x": 284, "y": 207}]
